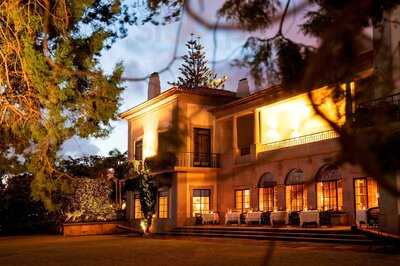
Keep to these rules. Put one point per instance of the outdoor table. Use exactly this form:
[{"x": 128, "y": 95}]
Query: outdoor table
[
  {"x": 279, "y": 216},
  {"x": 361, "y": 217},
  {"x": 311, "y": 216},
  {"x": 232, "y": 217},
  {"x": 253, "y": 217},
  {"x": 210, "y": 217}
]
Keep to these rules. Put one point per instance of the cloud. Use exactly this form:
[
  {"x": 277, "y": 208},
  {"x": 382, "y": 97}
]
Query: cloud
[{"x": 76, "y": 147}]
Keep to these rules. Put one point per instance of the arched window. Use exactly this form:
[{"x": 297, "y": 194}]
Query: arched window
[
  {"x": 329, "y": 188},
  {"x": 266, "y": 192},
  {"x": 296, "y": 194}
]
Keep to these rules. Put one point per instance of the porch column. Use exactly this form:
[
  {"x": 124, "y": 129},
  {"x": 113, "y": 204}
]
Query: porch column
[
  {"x": 256, "y": 127},
  {"x": 389, "y": 204},
  {"x": 234, "y": 136}
]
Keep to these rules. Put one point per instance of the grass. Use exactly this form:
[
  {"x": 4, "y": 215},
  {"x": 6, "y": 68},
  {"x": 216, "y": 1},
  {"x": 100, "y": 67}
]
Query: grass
[{"x": 127, "y": 250}]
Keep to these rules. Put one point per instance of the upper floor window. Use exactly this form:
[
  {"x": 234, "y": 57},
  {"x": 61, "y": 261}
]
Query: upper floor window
[
  {"x": 245, "y": 133},
  {"x": 202, "y": 147},
  {"x": 139, "y": 150}
]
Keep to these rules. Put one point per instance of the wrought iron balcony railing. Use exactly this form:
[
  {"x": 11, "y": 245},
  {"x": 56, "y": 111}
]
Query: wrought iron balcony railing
[
  {"x": 387, "y": 100},
  {"x": 192, "y": 159},
  {"x": 381, "y": 110},
  {"x": 324, "y": 135}
]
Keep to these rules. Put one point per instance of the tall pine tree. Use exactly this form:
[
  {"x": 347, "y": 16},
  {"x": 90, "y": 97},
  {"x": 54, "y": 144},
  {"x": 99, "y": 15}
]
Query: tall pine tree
[
  {"x": 52, "y": 86},
  {"x": 194, "y": 71}
]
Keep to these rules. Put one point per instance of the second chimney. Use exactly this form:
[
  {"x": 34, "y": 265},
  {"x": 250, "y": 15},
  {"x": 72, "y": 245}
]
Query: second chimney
[
  {"x": 243, "y": 88},
  {"x": 154, "y": 86}
]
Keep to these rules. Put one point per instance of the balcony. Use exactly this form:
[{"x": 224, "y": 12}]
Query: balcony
[
  {"x": 324, "y": 135},
  {"x": 191, "y": 159},
  {"x": 381, "y": 110},
  {"x": 168, "y": 161}
]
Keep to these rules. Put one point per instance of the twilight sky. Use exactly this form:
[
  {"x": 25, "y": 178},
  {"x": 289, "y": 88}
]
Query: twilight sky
[{"x": 149, "y": 48}]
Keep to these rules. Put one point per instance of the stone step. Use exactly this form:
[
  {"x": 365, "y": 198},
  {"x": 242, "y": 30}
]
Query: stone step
[
  {"x": 347, "y": 235},
  {"x": 364, "y": 241},
  {"x": 269, "y": 229}
]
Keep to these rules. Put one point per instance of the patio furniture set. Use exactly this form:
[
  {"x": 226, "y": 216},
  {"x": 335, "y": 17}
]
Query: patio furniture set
[{"x": 299, "y": 218}]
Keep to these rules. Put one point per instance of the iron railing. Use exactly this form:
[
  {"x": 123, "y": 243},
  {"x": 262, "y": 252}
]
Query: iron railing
[
  {"x": 324, "y": 135},
  {"x": 192, "y": 159},
  {"x": 391, "y": 99},
  {"x": 381, "y": 110}
]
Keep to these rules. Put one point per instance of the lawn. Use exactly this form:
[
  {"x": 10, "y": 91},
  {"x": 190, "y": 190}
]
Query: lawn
[{"x": 128, "y": 250}]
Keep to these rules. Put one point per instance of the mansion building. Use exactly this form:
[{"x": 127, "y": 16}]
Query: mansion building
[{"x": 261, "y": 151}]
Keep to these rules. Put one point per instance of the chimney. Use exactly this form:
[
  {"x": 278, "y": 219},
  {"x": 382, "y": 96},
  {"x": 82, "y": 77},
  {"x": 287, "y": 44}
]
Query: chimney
[
  {"x": 243, "y": 88},
  {"x": 154, "y": 86}
]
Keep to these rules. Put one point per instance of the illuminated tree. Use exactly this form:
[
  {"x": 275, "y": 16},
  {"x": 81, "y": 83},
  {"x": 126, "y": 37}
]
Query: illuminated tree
[{"x": 51, "y": 85}]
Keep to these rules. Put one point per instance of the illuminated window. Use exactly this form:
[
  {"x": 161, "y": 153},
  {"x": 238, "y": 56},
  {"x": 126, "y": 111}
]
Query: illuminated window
[
  {"x": 201, "y": 201},
  {"x": 296, "y": 194},
  {"x": 330, "y": 195},
  {"x": 266, "y": 199},
  {"x": 365, "y": 193},
  {"x": 202, "y": 147},
  {"x": 242, "y": 199},
  {"x": 138, "y": 209},
  {"x": 163, "y": 205},
  {"x": 296, "y": 197},
  {"x": 139, "y": 150},
  {"x": 295, "y": 117}
]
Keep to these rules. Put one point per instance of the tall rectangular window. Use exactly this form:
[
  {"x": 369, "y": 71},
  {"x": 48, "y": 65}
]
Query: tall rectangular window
[
  {"x": 138, "y": 210},
  {"x": 296, "y": 197},
  {"x": 201, "y": 201},
  {"x": 245, "y": 133},
  {"x": 139, "y": 150},
  {"x": 242, "y": 199},
  {"x": 365, "y": 193},
  {"x": 202, "y": 147},
  {"x": 163, "y": 205},
  {"x": 266, "y": 199}
]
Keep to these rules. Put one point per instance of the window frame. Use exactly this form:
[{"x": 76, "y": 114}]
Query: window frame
[
  {"x": 242, "y": 209},
  {"x": 163, "y": 194},
  {"x": 198, "y": 157},
  {"x": 209, "y": 190},
  {"x": 138, "y": 156},
  {"x": 135, "y": 198},
  {"x": 367, "y": 180},
  {"x": 337, "y": 206},
  {"x": 303, "y": 197},
  {"x": 274, "y": 195}
]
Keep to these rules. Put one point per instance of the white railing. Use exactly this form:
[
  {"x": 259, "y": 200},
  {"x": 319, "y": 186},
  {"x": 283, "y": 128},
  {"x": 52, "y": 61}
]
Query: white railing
[{"x": 329, "y": 134}]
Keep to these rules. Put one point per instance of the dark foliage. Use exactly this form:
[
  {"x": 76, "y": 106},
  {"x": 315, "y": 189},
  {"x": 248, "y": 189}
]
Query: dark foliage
[
  {"x": 251, "y": 15},
  {"x": 19, "y": 212},
  {"x": 94, "y": 166}
]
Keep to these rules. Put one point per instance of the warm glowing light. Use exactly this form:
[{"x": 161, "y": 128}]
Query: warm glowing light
[
  {"x": 143, "y": 225},
  {"x": 150, "y": 138},
  {"x": 296, "y": 117}
]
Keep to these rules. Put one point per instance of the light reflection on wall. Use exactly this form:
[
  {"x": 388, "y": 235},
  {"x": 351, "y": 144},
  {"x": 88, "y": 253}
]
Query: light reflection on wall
[
  {"x": 150, "y": 137},
  {"x": 295, "y": 116}
]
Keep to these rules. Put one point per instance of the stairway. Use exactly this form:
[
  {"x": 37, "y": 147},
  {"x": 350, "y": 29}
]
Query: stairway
[{"x": 323, "y": 235}]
